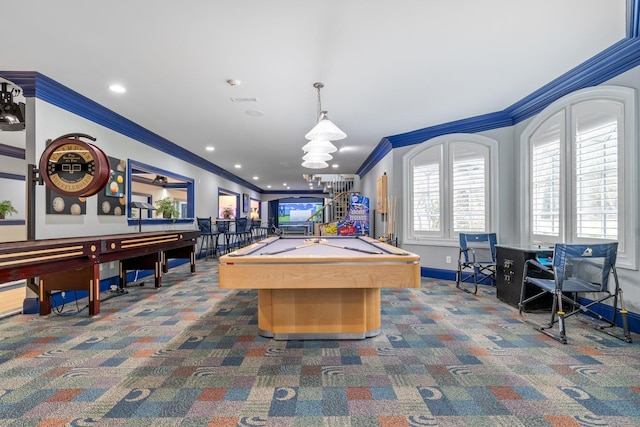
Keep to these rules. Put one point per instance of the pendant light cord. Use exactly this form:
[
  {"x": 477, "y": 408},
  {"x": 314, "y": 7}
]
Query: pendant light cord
[{"x": 319, "y": 86}]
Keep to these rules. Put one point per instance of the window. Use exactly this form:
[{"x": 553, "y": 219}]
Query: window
[
  {"x": 150, "y": 184},
  {"x": 545, "y": 178},
  {"x": 450, "y": 186},
  {"x": 575, "y": 182}
]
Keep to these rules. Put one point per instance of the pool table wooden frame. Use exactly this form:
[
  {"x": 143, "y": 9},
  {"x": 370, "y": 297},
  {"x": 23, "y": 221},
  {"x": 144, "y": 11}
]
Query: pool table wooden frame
[{"x": 321, "y": 290}]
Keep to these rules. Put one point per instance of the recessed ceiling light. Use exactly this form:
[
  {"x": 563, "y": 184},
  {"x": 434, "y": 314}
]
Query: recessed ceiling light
[
  {"x": 117, "y": 88},
  {"x": 255, "y": 177},
  {"x": 284, "y": 184},
  {"x": 334, "y": 166},
  {"x": 268, "y": 186},
  {"x": 237, "y": 166},
  {"x": 210, "y": 148}
]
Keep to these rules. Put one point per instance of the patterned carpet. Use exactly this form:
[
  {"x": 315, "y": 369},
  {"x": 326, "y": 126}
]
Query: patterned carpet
[{"x": 188, "y": 354}]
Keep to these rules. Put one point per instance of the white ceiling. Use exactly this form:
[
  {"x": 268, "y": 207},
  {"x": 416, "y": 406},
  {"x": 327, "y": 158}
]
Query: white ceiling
[{"x": 389, "y": 67}]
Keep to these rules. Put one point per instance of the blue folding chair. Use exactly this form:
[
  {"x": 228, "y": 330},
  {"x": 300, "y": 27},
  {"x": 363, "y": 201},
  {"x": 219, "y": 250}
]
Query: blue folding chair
[
  {"x": 476, "y": 261},
  {"x": 578, "y": 269}
]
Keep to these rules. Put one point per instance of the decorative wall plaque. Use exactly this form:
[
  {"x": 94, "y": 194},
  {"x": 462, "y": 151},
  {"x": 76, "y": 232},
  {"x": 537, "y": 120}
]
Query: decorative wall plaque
[{"x": 72, "y": 167}]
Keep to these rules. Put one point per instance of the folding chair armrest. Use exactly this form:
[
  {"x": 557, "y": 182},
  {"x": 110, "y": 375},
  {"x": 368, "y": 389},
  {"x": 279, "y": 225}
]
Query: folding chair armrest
[
  {"x": 538, "y": 265},
  {"x": 473, "y": 255}
]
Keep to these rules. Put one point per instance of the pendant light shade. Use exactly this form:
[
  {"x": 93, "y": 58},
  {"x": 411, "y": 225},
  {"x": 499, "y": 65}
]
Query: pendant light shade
[
  {"x": 321, "y": 157},
  {"x": 325, "y": 129},
  {"x": 315, "y": 164},
  {"x": 319, "y": 146}
]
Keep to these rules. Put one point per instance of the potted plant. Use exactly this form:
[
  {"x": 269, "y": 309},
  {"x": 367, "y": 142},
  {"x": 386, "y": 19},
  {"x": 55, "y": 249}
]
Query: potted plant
[
  {"x": 167, "y": 208},
  {"x": 6, "y": 208},
  {"x": 227, "y": 212}
]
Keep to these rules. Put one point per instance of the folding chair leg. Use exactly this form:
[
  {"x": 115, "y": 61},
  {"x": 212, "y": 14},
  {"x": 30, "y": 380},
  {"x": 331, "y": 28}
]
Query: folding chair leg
[
  {"x": 625, "y": 325},
  {"x": 460, "y": 281},
  {"x": 557, "y": 316},
  {"x": 561, "y": 329},
  {"x": 626, "y": 335},
  {"x": 561, "y": 326},
  {"x": 623, "y": 317}
]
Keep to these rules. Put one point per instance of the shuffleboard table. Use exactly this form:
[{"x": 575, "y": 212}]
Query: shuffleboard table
[
  {"x": 73, "y": 263},
  {"x": 319, "y": 287}
]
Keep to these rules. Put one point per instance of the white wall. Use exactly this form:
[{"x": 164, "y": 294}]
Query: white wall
[{"x": 52, "y": 122}]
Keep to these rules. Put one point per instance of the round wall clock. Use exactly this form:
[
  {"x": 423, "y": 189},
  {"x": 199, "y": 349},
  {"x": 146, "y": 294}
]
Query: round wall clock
[{"x": 72, "y": 167}]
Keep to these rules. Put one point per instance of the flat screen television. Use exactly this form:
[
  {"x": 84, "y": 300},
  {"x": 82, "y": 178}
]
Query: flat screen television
[{"x": 297, "y": 212}]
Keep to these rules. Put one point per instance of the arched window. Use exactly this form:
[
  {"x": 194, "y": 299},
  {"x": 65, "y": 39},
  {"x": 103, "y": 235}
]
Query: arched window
[
  {"x": 450, "y": 188},
  {"x": 578, "y": 171}
]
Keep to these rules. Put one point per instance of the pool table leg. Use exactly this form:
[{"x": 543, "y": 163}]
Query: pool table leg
[{"x": 338, "y": 313}]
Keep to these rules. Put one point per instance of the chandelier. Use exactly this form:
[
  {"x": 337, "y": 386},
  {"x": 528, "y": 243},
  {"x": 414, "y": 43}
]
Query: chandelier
[{"x": 319, "y": 148}]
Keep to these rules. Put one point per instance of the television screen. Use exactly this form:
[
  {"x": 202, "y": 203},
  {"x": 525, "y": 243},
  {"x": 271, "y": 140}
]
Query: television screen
[{"x": 293, "y": 212}]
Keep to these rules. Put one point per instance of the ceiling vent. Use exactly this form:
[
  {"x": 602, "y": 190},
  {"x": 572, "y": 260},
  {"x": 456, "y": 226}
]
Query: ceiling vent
[{"x": 244, "y": 99}]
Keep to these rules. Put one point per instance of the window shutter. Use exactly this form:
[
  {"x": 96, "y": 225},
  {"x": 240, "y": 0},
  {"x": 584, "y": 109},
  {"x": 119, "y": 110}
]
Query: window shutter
[
  {"x": 426, "y": 197},
  {"x": 545, "y": 188},
  {"x": 596, "y": 177},
  {"x": 469, "y": 195}
]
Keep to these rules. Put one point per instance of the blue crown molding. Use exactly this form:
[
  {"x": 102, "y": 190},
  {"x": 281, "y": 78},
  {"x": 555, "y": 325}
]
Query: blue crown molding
[
  {"x": 607, "y": 64},
  {"x": 382, "y": 149},
  {"x": 11, "y": 151},
  {"x": 633, "y": 16},
  {"x": 37, "y": 85},
  {"x": 469, "y": 125}
]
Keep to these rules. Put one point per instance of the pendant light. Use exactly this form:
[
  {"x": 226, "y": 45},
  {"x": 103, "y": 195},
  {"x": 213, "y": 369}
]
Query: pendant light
[{"x": 320, "y": 138}]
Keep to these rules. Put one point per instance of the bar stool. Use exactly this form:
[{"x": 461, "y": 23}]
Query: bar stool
[
  {"x": 222, "y": 225},
  {"x": 234, "y": 237},
  {"x": 209, "y": 235}
]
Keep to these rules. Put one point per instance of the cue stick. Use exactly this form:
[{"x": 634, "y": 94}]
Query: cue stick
[
  {"x": 391, "y": 252},
  {"x": 285, "y": 250},
  {"x": 377, "y": 242},
  {"x": 352, "y": 249},
  {"x": 260, "y": 245}
]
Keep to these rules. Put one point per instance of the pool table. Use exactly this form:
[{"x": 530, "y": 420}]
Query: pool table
[{"x": 319, "y": 287}]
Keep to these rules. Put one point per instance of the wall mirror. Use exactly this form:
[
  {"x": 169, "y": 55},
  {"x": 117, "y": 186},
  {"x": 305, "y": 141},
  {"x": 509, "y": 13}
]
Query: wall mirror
[{"x": 150, "y": 184}]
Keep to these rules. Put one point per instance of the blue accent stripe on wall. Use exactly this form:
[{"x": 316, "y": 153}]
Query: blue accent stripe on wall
[
  {"x": 13, "y": 176},
  {"x": 11, "y": 151}
]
